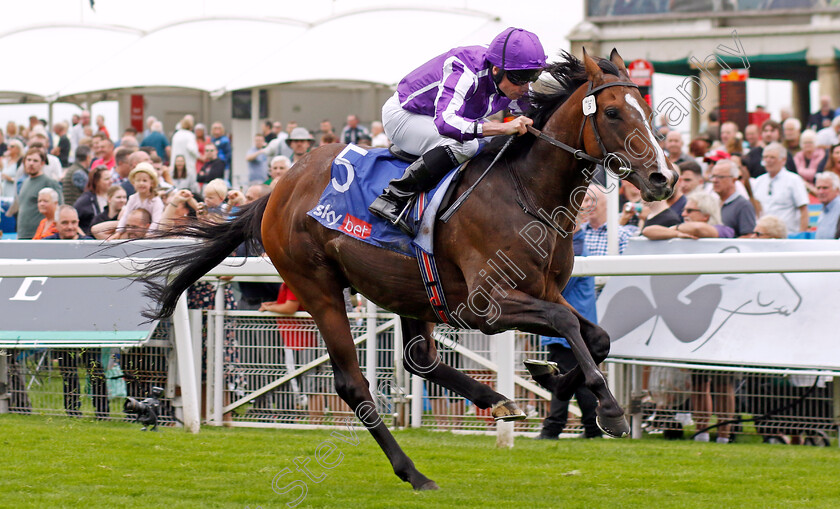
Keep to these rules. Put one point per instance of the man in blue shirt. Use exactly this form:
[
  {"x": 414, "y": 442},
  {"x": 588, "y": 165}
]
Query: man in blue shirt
[
  {"x": 257, "y": 161},
  {"x": 580, "y": 293},
  {"x": 595, "y": 227},
  {"x": 158, "y": 141},
  {"x": 828, "y": 192},
  {"x": 222, "y": 142}
]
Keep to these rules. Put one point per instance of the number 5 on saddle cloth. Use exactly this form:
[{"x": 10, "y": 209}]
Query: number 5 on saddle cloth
[{"x": 358, "y": 176}]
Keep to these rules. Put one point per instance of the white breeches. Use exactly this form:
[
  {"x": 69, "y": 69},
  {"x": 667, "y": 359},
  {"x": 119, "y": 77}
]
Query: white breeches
[{"x": 417, "y": 134}]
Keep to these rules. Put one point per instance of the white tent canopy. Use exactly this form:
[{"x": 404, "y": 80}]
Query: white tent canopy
[
  {"x": 198, "y": 54},
  {"x": 378, "y": 46},
  {"x": 39, "y": 79},
  {"x": 216, "y": 55}
]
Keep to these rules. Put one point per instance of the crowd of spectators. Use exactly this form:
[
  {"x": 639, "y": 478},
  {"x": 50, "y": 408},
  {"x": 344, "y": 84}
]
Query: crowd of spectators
[
  {"x": 770, "y": 169},
  {"x": 82, "y": 163}
]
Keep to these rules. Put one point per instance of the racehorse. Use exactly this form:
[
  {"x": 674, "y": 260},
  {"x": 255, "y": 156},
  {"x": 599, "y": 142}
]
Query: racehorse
[{"x": 517, "y": 221}]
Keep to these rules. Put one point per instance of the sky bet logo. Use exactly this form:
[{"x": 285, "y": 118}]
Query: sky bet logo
[
  {"x": 326, "y": 212},
  {"x": 356, "y": 227}
]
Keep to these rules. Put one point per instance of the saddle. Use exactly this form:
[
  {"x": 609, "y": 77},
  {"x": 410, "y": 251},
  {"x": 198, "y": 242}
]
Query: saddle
[{"x": 402, "y": 155}]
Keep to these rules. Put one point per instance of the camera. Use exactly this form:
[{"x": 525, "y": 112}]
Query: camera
[
  {"x": 146, "y": 410},
  {"x": 630, "y": 207}
]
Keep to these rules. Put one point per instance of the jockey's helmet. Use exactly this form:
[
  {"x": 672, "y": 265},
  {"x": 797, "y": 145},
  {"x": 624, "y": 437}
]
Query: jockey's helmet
[{"x": 518, "y": 53}]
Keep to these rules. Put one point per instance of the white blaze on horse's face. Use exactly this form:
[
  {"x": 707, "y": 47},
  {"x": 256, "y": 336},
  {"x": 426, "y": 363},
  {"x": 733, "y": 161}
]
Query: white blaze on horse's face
[{"x": 661, "y": 161}]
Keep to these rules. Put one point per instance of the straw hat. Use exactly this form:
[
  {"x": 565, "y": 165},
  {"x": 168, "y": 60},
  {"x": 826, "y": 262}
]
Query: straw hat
[{"x": 146, "y": 168}]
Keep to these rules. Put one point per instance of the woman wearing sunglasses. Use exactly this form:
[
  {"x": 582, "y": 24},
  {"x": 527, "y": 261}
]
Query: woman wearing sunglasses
[
  {"x": 701, "y": 217},
  {"x": 440, "y": 110}
]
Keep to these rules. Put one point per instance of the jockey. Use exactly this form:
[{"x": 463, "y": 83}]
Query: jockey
[{"x": 439, "y": 111}]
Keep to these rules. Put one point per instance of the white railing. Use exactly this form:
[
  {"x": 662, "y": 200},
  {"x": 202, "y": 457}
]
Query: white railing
[
  {"x": 628, "y": 265},
  {"x": 261, "y": 269}
]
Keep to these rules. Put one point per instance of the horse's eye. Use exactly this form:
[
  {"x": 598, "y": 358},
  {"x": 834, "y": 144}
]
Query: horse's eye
[{"x": 612, "y": 113}]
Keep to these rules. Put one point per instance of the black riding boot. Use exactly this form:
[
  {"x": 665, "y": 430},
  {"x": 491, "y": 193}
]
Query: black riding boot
[{"x": 422, "y": 175}]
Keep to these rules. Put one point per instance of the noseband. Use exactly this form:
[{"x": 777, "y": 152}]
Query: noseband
[{"x": 580, "y": 154}]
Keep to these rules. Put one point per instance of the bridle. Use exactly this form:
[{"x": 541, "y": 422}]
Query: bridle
[
  {"x": 581, "y": 154},
  {"x": 523, "y": 197}
]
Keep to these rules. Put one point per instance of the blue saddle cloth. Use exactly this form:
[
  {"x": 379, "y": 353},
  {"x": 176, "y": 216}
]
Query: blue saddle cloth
[{"x": 358, "y": 176}]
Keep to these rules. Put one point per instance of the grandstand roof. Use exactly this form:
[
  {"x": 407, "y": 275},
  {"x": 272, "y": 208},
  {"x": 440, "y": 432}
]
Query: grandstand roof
[{"x": 223, "y": 53}]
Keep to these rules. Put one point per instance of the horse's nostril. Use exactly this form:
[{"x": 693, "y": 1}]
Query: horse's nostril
[{"x": 658, "y": 179}]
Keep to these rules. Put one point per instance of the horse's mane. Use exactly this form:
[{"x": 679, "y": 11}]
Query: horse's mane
[{"x": 568, "y": 75}]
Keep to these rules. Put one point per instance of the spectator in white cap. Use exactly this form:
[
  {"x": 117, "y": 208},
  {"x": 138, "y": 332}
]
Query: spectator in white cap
[
  {"x": 300, "y": 141},
  {"x": 144, "y": 178}
]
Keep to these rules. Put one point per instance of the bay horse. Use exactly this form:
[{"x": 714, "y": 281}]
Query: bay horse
[{"x": 519, "y": 217}]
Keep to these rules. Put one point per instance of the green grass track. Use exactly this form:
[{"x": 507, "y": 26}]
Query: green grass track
[{"x": 61, "y": 462}]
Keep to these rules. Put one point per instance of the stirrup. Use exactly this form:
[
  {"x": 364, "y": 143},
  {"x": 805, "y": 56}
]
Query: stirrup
[{"x": 404, "y": 213}]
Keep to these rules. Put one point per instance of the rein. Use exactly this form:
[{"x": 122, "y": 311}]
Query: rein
[
  {"x": 589, "y": 108},
  {"x": 578, "y": 153}
]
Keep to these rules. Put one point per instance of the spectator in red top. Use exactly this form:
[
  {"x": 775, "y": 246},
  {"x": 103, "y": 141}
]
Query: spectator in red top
[
  {"x": 201, "y": 139},
  {"x": 103, "y": 149},
  {"x": 300, "y": 346}
]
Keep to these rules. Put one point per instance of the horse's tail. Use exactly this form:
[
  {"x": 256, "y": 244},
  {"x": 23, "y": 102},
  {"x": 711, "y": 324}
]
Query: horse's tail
[{"x": 191, "y": 262}]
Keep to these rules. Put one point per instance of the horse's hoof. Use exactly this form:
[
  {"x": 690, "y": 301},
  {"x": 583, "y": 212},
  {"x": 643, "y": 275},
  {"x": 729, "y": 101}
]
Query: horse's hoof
[
  {"x": 428, "y": 486},
  {"x": 615, "y": 427},
  {"x": 507, "y": 410},
  {"x": 539, "y": 368},
  {"x": 545, "y": 373}
]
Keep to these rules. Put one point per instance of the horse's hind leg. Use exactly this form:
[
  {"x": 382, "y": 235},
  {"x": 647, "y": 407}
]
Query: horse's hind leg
[
  {"x": 421, "y": 358},
  {"x": 325, "y": 302}
]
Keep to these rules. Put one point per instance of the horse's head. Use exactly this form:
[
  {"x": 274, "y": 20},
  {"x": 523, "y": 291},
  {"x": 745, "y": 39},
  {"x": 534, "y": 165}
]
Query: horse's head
[{"x": 620, "y": 130}]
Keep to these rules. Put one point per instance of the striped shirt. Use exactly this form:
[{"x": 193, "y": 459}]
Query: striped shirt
[{"x": 596, "y": 238}]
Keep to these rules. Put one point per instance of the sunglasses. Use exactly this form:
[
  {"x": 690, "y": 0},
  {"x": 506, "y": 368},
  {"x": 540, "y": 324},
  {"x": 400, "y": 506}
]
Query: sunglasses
[
  {"x": 688, "y": 210},
  {"x": 758, "y": 234},
  {"x": 523, "y": 76}
]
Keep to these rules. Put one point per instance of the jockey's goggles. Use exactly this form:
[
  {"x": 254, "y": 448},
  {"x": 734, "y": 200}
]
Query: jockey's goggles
[{"x": 523, "y": 76}]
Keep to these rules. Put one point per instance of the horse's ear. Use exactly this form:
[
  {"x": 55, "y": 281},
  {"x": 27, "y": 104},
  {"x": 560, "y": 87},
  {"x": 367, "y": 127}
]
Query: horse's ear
[
  {"x": 593, "y": 72},
  {"x": 618, "y": 61}
]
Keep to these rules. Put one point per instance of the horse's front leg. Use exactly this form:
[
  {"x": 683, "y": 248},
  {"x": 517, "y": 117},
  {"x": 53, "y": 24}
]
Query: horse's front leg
[
  {"x": 528, "y": 314},
  {"x": 564, "y": 385},
  {"x": 421, "y": 358}
]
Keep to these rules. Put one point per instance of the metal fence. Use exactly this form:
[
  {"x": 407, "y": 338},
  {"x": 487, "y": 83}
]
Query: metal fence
[
  {"x": 733, "y": 401},
  {"x": 82, "y": 382},
  {"x": 260, "y": 369}
]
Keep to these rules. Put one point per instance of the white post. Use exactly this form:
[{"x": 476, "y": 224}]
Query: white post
[
  {"x": 416, "y": 401},
  {"x": 614, "y": 374},
  {"x": 4, "y": 375},
  {"x": 50, "y": 117},
  {"x": 255, "y": 112},
  {"x": 370, "y": 345},
  {"x": 219, "y": 352},
  {"x": 613, "y": 184},
  {"x": 195, "y": 334},
  {"x": 186, "y": 366},
  {"x": 399, "y": 384},
  {"x": 505, "y": 345},
  {"x": 635, "y": 388}
]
